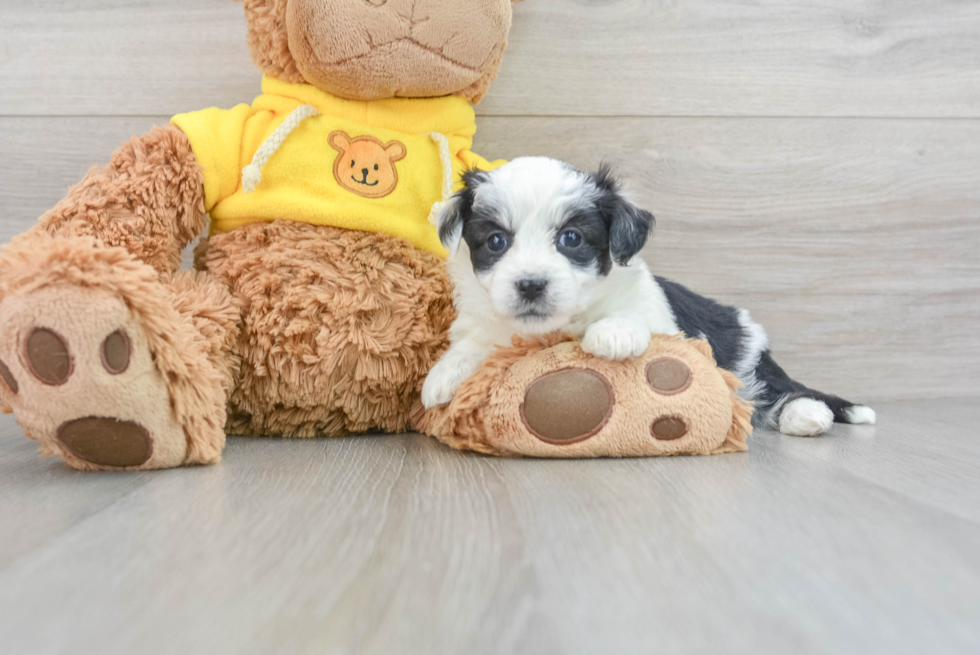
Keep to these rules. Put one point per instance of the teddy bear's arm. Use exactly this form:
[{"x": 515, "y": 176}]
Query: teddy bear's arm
[
  {"x": 473, "y": 161},
  {"x": 216, "y": 137},
  {"x": 149, "y": 199}
]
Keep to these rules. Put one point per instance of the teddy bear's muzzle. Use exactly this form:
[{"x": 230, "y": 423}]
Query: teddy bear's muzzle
[{"x": 396, "y": 48}]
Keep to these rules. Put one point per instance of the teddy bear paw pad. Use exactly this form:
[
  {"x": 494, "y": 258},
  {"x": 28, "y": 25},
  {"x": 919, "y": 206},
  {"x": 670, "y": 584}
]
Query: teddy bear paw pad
[
  {"x": 567, "y": 406},
  {"x": 668, "y": 428},
  {"x": 107, "y": 441},
  {"x": 48, "y": 357},
  {"x": 77, "y": 370}
]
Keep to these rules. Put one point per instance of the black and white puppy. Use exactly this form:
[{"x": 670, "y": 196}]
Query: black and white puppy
[{"x": 538, "y": 246}]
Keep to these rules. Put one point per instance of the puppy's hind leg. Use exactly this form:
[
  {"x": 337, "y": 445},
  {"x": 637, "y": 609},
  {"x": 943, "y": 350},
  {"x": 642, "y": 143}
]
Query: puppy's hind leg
[{"x": 796, "y": 410}]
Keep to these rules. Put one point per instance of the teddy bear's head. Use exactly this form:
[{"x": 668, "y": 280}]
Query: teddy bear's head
[{"x": 375, "y": 49}]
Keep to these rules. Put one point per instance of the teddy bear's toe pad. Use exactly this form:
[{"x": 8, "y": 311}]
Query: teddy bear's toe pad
[
  {"x": 48, "y": 357},
  {"x": 116, "y": 352},
  {"x": 8, "y": 378},
  {"x": 567, "y": 406},
  {"x": 669, "y": 376},
  {"x": 107, "y": 441},
  {"x": 668, "y": 428}
]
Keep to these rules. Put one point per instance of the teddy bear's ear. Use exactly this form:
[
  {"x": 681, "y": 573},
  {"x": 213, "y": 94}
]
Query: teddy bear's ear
[
  {"x": 339, "y": 141},
  {"x": 395, "y": 150},
  {"x": 268, "y": 40},
  {"x": 476, "y": 91}
]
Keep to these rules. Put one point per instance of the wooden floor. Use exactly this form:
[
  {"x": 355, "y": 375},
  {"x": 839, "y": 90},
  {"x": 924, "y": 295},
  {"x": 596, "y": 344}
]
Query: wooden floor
[{"x": 864, "y": 541}]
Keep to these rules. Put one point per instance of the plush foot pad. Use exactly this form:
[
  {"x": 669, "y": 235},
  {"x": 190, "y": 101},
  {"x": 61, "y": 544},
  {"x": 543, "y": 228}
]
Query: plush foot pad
[
  {"x": 551, "y": 399},
  {"x": 80, "y": 377},
  {"x": 107, "y": 441}
]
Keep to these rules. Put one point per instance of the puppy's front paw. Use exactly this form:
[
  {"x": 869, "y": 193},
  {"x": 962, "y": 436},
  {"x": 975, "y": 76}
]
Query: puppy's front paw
[
  {"x": 441, "y": 383},
  {"x": 616, "y": 338}
]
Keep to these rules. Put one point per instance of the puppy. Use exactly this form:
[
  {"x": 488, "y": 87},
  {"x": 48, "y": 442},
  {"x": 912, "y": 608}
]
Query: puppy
[{"x": 537, "y": 246}]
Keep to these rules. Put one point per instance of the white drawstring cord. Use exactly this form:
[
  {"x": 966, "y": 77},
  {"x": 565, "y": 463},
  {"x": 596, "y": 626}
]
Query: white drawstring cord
[
  {"x": 446, "y": 157},
  {"x": 252, "y": 174}
]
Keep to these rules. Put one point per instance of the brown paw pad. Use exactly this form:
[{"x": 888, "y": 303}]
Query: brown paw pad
[
  {"x": 48, "y": 357},
  {"x": 116, "y": 352},
  {"x": 668, "y": 428},
  {"x": 106, "y": 441},
  {"x": 669, "y": 376},
  {"x": 8, "y": 377},
  {"x": 567, "y": 406}
]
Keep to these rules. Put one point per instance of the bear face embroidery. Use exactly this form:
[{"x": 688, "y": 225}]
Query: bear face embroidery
[{"x": 366, "y": 166}]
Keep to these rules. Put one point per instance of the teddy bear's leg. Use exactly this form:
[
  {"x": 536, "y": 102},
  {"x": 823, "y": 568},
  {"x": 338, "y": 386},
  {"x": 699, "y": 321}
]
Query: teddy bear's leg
[
  {"x": 543, "y": 399},
  {"x": 149, "y": 199},
  {"x": 109, "y": 364},
  {"x": 339, "y": 327}
]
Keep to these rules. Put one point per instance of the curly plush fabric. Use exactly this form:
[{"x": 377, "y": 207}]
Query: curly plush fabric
[
  {"x": 149, "y": 199},
  {"x": 339, "y": 327},
  {"x": 488, "y": 413}
]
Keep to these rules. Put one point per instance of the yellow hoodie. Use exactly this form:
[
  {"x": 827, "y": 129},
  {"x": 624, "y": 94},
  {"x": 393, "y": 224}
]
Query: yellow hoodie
[{"x": 301, "y": 154}]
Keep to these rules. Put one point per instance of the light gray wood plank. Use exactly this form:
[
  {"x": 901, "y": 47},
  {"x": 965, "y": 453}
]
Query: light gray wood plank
[
  {"x": 567, "y": 57},
  {"x": 397, "y": 544},
  {"x": 112, "y": 57},
  {"x": 45, "y": 157},
  {"x": 853, "y": 241},
  {"x": 39, "y": 501}
]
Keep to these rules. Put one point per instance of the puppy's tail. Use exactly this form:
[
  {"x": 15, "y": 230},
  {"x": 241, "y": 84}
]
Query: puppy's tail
[{"x": 792, "y": 408}]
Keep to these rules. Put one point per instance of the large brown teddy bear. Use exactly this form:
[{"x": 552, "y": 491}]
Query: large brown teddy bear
[{"x": 320, "y": 299}]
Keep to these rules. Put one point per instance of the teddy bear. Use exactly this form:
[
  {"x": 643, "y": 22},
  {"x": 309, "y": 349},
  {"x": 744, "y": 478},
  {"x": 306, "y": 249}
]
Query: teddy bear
[{"x": 319, "y": 298}]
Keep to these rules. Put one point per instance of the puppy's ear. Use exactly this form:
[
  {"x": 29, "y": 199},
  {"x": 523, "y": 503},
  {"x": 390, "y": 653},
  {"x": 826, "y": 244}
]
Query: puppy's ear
[
  {"x": 629, "y": 226},
  {"x": 629, "y": 231},
  {"x": 450, "y": 225},
  {"x": 457, "y": 211}
]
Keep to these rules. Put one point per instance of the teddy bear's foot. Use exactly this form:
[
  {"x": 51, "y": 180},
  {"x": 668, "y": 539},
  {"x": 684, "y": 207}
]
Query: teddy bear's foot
[
  {"x": 557, "y": 401},
  {"x": 84, "y": 380},
  {"x": 82, "y": 375}
]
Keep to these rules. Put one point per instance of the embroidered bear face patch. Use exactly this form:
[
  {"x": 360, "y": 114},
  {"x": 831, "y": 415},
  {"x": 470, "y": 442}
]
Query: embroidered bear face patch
[{"x": 366, "y": 166}]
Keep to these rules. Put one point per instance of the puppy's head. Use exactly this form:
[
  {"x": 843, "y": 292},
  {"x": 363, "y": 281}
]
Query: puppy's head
[{"x": 541, "y": 237}]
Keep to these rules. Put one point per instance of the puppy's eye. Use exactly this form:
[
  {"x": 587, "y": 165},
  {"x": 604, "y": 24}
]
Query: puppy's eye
[
  {"x": 352, "y": 163},
  {"x": 570, "y": 239},
  {"x": 375, "y": 167},
  {"x": 497, "y": 242}
]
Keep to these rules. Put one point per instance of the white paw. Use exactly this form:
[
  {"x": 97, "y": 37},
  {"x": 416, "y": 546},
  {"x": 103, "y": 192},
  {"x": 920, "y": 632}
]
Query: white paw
[
  {"x": 440, "y": 385},
  {"x": 616, "y": 338},
  {"x": 861, "y": 415},
  {"x": 805, "y": 417}
]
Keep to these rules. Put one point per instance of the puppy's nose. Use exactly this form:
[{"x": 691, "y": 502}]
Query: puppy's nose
[
  {"x": 531, "y": 289},
  {"x": 365, "y": 171}
]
